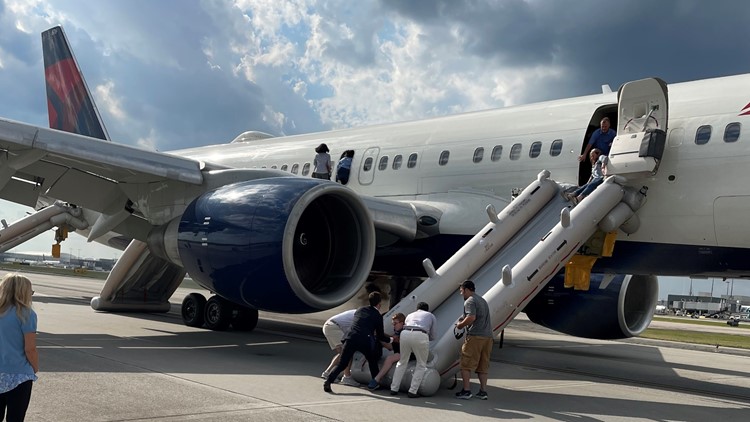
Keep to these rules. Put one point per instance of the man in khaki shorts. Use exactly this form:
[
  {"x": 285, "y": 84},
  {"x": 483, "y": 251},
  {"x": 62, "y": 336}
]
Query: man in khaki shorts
[
  {"x": 334, "y": 329},
  {"x": 475, "y": 352}
]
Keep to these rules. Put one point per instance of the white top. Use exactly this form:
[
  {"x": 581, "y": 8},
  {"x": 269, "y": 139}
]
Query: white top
[
  {"x": 424, "y": 320},
  {"x": 322, "y": 163},
  {"x": 344, "y": 320}
]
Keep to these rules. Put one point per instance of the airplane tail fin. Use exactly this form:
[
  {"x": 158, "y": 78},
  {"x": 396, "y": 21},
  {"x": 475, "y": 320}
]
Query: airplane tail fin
[{"x": 69, "y": 103}]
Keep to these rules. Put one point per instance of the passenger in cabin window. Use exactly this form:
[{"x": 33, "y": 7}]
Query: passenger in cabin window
[
  {"x": 344, "y": 167},
  {"x": 322, "y": 163},
  {"x": 601, "y": 138},
  {"x": 598, "y": 171}
]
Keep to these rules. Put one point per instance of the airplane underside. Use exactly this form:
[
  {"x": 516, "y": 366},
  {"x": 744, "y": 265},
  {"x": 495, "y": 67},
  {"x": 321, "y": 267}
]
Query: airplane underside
[{"x": 629, "y": 258}]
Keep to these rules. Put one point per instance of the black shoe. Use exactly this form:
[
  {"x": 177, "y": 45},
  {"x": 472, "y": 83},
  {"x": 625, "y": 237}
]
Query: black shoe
[
  {"x": 463, "y": 395},
  {"x": 413, "y": 395},
  {"x": 394, "y": 393},
  {"x": 327, "y": 387},
  {"x": 481, "y": 395}
]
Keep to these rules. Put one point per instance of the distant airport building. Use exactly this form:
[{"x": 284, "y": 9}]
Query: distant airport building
[
  {"x": 65, "y": 261},
  {"x": 706, "y": 304}
]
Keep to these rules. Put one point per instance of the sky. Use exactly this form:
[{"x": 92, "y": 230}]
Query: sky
[{"x": 172, "y": 74}]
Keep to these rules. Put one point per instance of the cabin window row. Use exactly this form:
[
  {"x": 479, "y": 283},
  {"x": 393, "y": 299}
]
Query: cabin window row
[
  {"x": 535, "y": 151},
  {"x": 731, "y": 133},
  {"x": 497, "y": 152}
]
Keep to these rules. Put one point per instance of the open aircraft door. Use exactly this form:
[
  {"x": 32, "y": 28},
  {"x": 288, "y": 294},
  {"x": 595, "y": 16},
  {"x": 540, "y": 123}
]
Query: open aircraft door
[
  {"x": 643, "y": 111},
  {"x": 367, "y": 165}
]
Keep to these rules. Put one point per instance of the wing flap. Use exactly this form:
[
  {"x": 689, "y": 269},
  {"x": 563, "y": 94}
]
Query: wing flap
[
  {"x": 20, "y": 192},
  {"x": 69, "y": 185}
]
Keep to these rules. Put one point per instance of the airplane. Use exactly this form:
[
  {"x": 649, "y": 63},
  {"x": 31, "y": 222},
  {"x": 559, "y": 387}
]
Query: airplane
[{"x": 247, "y": 222}]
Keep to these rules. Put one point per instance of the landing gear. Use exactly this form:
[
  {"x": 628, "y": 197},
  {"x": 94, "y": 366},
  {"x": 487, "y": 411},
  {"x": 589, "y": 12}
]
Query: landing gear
[
  {"x": 193, "y": 308},
  {"x": 245, "y": 319},
  {"x": 217, "y": 313}
]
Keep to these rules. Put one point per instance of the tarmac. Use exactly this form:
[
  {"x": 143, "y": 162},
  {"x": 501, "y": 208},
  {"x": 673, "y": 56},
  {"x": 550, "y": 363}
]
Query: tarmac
[{"x": 150, "y": 367}]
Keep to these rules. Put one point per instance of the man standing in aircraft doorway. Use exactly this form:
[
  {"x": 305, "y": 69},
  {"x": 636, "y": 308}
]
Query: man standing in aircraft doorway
[{"x": 601, "y": 138}]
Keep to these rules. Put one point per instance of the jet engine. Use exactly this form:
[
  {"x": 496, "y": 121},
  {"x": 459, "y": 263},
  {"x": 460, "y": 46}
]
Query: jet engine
[
  {"x": 615, "y": 306},
  {"x": 280, "y": 244}
]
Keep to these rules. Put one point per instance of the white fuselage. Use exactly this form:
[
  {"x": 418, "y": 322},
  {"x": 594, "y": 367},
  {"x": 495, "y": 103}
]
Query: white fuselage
[{"x": 698, "y": 197}]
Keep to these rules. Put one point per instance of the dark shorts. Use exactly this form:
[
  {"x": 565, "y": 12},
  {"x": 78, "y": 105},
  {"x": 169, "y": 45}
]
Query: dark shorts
[{"x": 326, "y": 176}]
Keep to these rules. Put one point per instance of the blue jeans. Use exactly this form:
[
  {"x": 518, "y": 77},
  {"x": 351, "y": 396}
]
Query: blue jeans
[{"x": 589, "y": 187}]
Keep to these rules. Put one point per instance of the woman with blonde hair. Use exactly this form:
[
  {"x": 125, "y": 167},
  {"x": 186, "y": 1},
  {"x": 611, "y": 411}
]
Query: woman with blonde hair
[{"x": 19, "y": 360}]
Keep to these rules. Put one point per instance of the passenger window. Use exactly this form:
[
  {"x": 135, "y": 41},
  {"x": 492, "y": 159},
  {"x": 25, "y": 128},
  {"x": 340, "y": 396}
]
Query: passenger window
[
  {"x": 273, "y": 166},
  {"x": 515, "y": 152},
  {"x": 383, "y": 163},
  {"x": 478, "y": 155},
  {"x": 556, "y": 148},
  {"x": 412, "y": 161},
  {"x": 732, "y": 132},
  {"x": 295, "y": 167},
  {"x": 497, "y": 152},
  {"x": 397, "y": 162},
  {"x": 535, "y": 150},
  {"x": 306, "y": 169},
  {"x": 368, "y": 164},
  {"x": 702, "y": 135},
  {"x": 444, "y": 157},
  {"x": 284, "y": 167}
]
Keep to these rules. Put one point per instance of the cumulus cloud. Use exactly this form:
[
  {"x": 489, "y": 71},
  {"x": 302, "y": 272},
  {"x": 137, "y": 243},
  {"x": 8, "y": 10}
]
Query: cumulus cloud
[{"x": 219, "y": 68}]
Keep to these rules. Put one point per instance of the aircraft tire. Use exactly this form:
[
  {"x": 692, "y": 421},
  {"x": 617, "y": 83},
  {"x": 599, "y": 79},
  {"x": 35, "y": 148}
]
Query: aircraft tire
[
  {"x": 218, "y": 313},
  {"x": 193, "y": 310},
  {"x": 246, "y": 319}
]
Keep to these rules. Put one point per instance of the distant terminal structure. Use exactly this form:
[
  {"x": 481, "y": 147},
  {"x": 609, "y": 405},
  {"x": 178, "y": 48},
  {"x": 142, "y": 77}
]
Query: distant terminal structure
[
  {"x": 725, "y": 305},
  {"x": 65, "y": 261}
]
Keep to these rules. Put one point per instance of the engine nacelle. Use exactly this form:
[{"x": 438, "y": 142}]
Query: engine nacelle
[
  {"x": 621, "y": 308},
  {"x": 281, "y": 244}
]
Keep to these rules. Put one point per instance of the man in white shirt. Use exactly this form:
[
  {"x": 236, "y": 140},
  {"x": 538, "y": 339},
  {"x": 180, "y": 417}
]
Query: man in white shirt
[
  {"x": 335, "y": 328},
  {"x": 418, "y": 330}
]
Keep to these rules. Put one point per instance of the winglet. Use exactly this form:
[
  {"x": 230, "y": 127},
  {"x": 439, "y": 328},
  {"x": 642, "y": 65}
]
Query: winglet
[{"x": 69, "y": 103}]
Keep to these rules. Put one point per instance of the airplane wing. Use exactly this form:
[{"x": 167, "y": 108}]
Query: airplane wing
[{"x": 79, "y": 169}]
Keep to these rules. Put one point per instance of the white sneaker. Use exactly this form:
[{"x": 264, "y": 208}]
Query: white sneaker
[
  {"x": 349, "y": 381},
  {"x": 325, "y": 374}
]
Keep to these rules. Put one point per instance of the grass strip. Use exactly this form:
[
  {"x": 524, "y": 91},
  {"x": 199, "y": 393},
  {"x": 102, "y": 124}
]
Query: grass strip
[
  {"x": 707, "y": 322},
  {"x": 698, "y": 337}
]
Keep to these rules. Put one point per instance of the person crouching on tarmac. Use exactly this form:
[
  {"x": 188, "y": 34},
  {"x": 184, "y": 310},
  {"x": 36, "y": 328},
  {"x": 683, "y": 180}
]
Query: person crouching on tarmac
[
  {"x": 418, "y": 330},
  {"x": 334, "y": 329},
  {"x": 366, "y": 331}
]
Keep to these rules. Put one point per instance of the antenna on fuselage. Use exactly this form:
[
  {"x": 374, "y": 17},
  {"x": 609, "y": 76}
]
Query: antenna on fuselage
[{"x": 606, "y": 89}]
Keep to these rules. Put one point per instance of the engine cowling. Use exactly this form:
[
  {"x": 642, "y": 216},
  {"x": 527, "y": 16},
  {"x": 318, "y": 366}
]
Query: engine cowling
[
  {"x": 281, "y": 244},
  {"x": 620, "y": 308}
]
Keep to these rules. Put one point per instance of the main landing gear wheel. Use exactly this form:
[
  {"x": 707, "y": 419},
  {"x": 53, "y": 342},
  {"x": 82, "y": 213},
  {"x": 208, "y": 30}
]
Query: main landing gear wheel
[
  {"x": 193, "y": 310},
  {"x": 245, "y": 319},
  {"x": 218, "y": 313}
]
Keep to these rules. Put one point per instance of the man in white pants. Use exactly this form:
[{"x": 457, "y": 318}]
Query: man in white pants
[{"x": 418, "y": 330}]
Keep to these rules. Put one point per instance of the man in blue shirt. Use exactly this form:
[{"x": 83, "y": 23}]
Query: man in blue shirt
[{"x": 601, "y": 138}]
